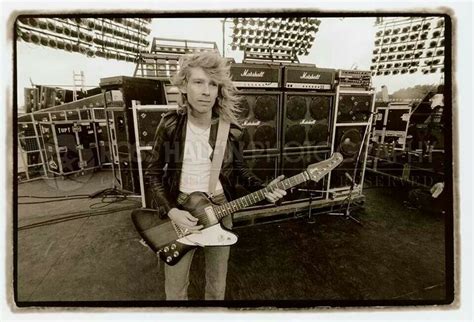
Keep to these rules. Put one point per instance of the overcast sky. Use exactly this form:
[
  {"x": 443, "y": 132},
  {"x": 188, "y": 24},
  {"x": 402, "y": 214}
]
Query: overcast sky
[{"x": 340, "y": 43}]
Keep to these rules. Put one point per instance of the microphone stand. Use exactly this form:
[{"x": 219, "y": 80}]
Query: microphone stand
[
  {"x": 311, "y": 219},
  {"x": 347, "y": 212}
]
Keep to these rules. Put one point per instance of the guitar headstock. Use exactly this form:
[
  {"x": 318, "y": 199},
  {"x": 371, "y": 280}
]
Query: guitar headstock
[{"x": 318, "y": 170}]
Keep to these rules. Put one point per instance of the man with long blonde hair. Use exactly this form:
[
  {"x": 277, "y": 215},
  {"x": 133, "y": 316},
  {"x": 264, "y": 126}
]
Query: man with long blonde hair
[{"x": 183, "y": 149}]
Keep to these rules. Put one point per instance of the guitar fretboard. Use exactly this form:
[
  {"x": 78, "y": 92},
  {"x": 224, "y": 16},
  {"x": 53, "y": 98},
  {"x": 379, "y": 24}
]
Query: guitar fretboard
[{"x": 254, "y": 197}]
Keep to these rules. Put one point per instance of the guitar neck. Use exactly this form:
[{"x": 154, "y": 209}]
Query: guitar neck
[{"x": 233, "y": 206}]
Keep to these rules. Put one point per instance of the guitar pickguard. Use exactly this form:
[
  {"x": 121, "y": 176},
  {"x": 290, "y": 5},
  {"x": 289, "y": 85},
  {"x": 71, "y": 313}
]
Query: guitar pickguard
[{"x": 211, "y": 236}]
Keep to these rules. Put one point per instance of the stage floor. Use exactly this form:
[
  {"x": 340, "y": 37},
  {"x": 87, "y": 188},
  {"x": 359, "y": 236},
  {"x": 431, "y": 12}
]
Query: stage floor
[{"x": 85, "y": 250}]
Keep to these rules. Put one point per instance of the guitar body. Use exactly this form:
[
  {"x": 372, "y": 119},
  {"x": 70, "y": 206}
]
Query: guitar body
[{"x": 170, "y": 242}]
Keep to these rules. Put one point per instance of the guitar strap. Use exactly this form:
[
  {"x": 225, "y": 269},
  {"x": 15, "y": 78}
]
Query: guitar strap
[{"x": 218, "y": 155}]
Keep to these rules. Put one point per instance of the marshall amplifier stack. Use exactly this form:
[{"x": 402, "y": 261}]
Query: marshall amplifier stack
[
  {"x": 119, "y": 93},
  {"x": 294, "y": 115},
  {"x": 260, "y": 116},
  {"x": 308, "y": 104},
  {"x": 354, "y": 105}
]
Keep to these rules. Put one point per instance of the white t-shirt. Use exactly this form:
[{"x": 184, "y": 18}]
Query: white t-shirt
[{"x": 196, "y": 170}]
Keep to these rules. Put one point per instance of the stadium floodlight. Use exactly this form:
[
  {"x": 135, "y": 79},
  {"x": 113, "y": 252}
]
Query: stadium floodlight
[
  {"x": 408, "y": 44},
  {"x": 117, "y": 38},
  {"x": 296, "y": 35}
]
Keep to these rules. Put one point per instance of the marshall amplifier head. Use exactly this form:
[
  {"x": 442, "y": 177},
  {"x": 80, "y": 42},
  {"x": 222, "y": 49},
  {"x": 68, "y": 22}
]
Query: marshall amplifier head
[
  {"x": 308, "y": 78},
  {"x": 255, "y": 75}
]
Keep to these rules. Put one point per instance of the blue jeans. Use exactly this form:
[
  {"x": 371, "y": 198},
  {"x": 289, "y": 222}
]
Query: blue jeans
[{"x": 216, "y": 259}]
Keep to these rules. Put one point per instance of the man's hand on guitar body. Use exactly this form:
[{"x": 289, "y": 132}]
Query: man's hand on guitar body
[
  {"x": 185, "y": 220},
  {"x": 276, "y": 193}
]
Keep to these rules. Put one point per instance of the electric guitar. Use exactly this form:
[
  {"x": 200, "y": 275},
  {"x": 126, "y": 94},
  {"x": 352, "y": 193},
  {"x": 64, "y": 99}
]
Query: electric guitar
[{"x": 171, "y": 242}]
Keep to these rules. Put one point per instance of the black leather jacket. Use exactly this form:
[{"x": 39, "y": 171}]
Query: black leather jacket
[{"x": 164, "y": 169}]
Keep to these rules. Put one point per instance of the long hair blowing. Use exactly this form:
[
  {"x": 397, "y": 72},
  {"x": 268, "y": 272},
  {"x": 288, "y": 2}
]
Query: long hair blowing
[{"x": 219, "y": 70}]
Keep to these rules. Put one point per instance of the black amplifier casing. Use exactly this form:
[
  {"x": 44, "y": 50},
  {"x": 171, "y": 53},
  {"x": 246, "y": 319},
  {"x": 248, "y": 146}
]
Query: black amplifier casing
[
  {"x": 256, "y": 75},
  {"x": 308, "y": 78}
]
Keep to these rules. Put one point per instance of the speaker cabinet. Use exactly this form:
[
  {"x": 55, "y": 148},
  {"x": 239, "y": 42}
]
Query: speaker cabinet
[
  {"x": 294, "y": 163},
  {"x": 260, "y": 118},
  {"x": 354, "y": 107},
  {"x": 147, "y": 123},
  {"x": 348, "y": 140},
  {"x": 306, "y": 120}
]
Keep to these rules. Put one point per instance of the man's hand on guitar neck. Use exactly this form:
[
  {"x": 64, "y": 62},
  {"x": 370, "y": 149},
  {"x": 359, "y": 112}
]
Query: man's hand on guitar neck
[
  {"x": 276, "y": 193},
  {"x": 185, "y": 220}
]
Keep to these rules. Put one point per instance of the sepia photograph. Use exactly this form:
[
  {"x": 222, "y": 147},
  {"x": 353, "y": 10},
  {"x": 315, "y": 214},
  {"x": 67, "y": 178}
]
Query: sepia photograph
[{"x": 234, "y": 159}]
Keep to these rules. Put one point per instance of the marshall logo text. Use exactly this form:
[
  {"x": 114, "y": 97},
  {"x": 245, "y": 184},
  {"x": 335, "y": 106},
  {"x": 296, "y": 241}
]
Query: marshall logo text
[
  {"x": 305, "y": 75},
  {"x": 251, "y": 123},
  {"x": 247, "y": 73}
]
